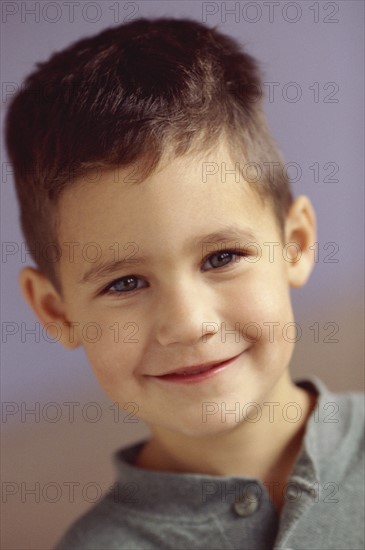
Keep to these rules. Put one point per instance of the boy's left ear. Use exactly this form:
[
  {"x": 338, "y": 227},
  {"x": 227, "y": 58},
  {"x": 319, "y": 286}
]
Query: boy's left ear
[{"x": 300, "y": 236}]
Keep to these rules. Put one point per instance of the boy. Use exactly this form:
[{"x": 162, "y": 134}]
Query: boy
[{"x": 121, "y": 146}]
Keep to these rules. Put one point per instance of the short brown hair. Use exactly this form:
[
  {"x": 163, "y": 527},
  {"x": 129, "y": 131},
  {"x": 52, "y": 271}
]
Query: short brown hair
[{"x": 124, "y": 95}]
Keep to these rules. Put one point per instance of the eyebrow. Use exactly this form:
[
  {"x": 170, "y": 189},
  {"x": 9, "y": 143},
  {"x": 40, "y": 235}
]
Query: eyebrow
[{"x": 99, "y": 271}]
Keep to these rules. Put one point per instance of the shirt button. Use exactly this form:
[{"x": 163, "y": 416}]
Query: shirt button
[{"x": 247, "y": 505}]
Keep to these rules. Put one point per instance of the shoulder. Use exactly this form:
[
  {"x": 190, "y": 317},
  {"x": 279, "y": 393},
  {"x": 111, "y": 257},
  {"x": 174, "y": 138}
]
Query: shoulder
[
  {"x": 333, "y": 469},
  {"x": 349, "y": 412},
  {"x": 336, "y": 427},
  {"x": 339, "y": 427},
  {"x": 351, "y": 424},
  {"x": 107, "y": 524},
  {"x": 83, "y": 530},
  {"x": 343, "y": 410}
]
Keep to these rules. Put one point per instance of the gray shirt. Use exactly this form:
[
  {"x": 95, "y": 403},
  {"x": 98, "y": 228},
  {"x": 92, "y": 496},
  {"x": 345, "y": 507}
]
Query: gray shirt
[{"x": 323, "y": 506}]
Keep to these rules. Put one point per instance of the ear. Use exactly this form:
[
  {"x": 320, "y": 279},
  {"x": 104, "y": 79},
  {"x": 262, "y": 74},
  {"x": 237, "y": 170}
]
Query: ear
[
  {"x": 300, "y": 236},
  {"x": 48, "y": 306}
]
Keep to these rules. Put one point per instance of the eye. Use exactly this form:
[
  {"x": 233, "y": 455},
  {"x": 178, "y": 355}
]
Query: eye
[
  {"x": 223, "y": 258},
  {"x": 124, "y": 285}
]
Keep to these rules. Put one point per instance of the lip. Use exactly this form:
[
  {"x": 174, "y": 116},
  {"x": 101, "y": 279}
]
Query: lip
[{"x": 211, "y": 368}]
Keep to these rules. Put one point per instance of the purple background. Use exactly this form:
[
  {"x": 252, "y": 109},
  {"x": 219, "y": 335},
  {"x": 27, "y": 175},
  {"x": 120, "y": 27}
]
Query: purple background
[{"x": 37, "y": 450}]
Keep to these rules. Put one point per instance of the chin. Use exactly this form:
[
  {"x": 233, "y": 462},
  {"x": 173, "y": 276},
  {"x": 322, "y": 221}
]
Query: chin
[{"x": 210, "y": 428}]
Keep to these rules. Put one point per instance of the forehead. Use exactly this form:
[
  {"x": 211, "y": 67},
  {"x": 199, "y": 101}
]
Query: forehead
[{"x": 186, "y": 197}]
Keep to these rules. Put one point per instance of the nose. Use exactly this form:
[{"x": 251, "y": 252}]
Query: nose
[{"x": 185, "y": 314}]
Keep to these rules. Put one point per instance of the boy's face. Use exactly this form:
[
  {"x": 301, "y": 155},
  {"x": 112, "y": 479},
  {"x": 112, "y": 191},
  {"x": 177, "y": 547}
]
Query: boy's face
[{"x": 185, "y": 304}]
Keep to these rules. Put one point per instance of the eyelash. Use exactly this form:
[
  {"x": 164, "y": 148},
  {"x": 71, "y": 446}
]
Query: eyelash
[{"x": 234, "y": 252}]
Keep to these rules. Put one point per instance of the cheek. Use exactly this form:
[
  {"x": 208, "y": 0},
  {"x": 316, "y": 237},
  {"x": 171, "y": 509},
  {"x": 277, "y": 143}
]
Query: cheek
[
  {"x": 259, "y": 309},
  {"x": 258, "y": 300},
  {"x": 114, "y": 359}
]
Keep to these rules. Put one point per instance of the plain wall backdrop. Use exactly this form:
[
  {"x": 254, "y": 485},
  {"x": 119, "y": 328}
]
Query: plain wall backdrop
[{"x": 55, "y": 463}]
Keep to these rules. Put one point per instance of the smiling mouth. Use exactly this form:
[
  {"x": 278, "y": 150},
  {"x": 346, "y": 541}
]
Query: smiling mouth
[
  {"x": 197, "y": 369},
  {"x": 195, "y": 373}
]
